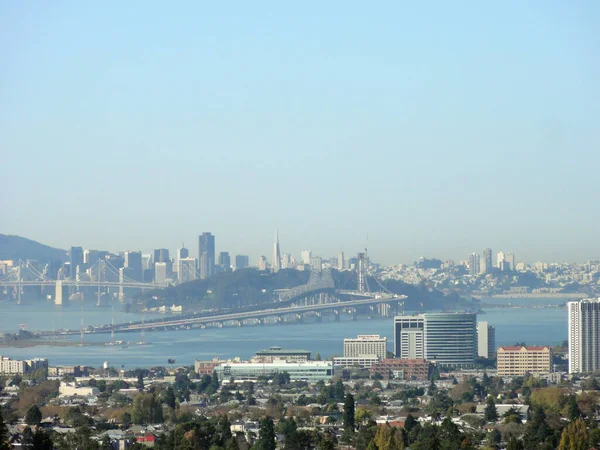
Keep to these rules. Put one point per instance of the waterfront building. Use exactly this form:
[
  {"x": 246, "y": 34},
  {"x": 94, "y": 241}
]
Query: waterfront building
[
  {"x": 366, "y": 344},
  {"x": 449, "y": 339},
  {"x": 206, "y": 254},
  {"x": 21, "y": 367},
  {"x": 486, "y": 340},
  {"x": 516, "y": 361},
  {"x": 362, "y": 361},
  {"x": 277, "y": 353},
  {"x": 584, "y": 335},
  {"x": 276, "y": 266},
  {"x": 207, "y": 367},
  {"x": 60, "y": 371},
  {"x": 403, "y": 369},
  {"x": 241, "y": 261},
  {"x": 310, "y": 371}
]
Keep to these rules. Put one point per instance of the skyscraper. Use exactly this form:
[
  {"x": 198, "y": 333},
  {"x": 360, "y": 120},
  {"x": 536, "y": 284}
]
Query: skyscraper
[
  {"x": 584, "y": 330},
  {"x": 262, "y": 263},
  {"x": 286, "y": 262},
  {"x": 206, "y": 254},
  {"x": 181, "y": 253},
  {"x": 276, "y": 267},
  {"x": 509, "y": 259},
  {"x": 161, "y": 255},
  {"x": 225, "y": 261},
  {"x": 75, "y": 259},
  {"x": 340, "y": 262},
  {"x": 450, "y": 339},
  {"x": 487, "y": 260},
  {"x": 160, "y": 272},
  {"x": 500, "y": 260},
  {"x": 474, "y": 264},
  {"x": 305, "y": 256},
  {"x": 133, "y": 262},
  {"x": 241, "y": 261}
]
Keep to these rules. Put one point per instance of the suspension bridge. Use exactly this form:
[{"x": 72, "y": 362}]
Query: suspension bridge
[{"x": 103, "y": 276}]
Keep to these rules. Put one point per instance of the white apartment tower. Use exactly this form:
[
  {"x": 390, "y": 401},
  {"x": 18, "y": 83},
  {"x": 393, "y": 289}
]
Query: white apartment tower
[
  {"x": 584, "y": 335},
  {"x": 486, "y": 340},
  {"x": 365, "y": 344}
]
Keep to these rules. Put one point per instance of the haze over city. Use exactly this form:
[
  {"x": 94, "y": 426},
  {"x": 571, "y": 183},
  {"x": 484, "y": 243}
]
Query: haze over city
[{"x": 438, "y": 130}]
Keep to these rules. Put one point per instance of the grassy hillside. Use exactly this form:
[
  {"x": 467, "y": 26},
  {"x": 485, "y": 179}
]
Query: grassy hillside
[{"x": 16, "y": 247}]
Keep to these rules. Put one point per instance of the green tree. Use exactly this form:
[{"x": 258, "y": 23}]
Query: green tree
[
  {"x": 490, "y": 413},
  {"x": 146, "y": 409},
  {"x": 339, "y": 390},
  {"x": 33, "y": 415},
  {"x": 449, "y": 435},
  {"x": 348, "y": 417},
  {"x": 266, "y": 440},
  {"x": 42, "y": 441},
  {"x": 169, "y": 397},
  {"x": 4, "y": 445},
  {"x": 140, "y": 381},
  {"x": 574, "y": 436},
  {"x": 515, "y": 444}
]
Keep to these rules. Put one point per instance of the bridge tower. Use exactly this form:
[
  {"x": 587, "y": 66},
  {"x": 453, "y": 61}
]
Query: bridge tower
[
  {"x": 19, "y": 281},
  {"x": 362, "y": 261}
]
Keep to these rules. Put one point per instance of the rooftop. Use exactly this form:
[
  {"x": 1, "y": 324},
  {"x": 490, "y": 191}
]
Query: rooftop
[{"x": 281, "y": 351}]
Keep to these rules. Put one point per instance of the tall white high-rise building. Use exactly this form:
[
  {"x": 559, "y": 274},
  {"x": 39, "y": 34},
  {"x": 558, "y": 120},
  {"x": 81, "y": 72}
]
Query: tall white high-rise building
[
  {"x": 499, "y": 260},
  {"x": 286, "y": 262},
  {"x": 305, "y": 255},
  {"x": 474, "y": 262},
  {"x": 340, "y": 264},
  {"x": 584, "y": 335},
  {"x": 486, "y": 340},
  {"x": 160, "y": 272}
]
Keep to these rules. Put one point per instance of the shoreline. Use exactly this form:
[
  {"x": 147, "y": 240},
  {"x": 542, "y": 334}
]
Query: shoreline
[
  {"x": 46, "y": 343},
  {"x": 530, "y": 296}
]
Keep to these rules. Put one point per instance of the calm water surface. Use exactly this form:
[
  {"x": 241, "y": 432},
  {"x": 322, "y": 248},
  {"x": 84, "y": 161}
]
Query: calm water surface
[{"x": 541, "y": 326}]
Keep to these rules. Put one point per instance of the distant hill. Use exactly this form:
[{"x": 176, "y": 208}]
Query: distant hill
[{"x": 16, "y": 247}]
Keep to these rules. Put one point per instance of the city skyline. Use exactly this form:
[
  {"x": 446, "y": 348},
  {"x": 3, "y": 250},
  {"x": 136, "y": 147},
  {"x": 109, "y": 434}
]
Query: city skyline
[{"x": 270, "y": 116}]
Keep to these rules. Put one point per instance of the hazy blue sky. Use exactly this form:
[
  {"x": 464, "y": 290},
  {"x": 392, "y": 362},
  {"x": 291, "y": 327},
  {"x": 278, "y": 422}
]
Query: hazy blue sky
[{"x": 438, "y": 128}]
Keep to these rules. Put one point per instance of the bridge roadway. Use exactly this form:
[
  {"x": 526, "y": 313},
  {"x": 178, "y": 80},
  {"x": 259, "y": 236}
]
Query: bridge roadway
[{"x": 240, "y": 316}]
